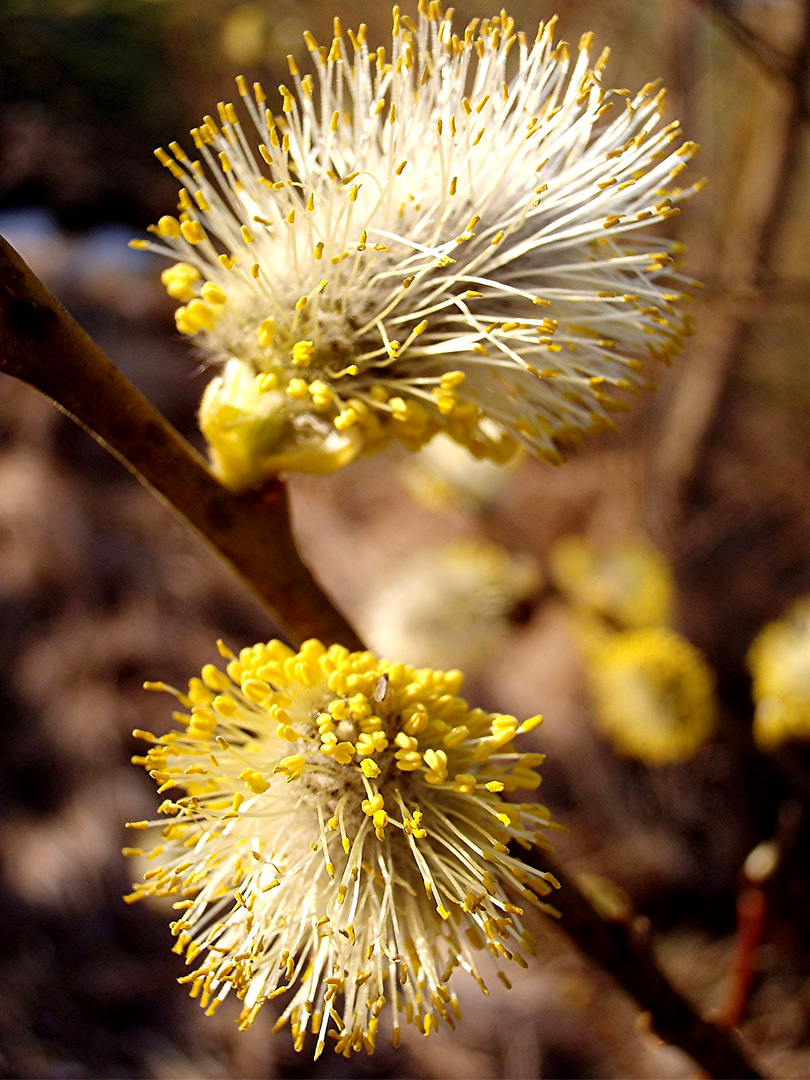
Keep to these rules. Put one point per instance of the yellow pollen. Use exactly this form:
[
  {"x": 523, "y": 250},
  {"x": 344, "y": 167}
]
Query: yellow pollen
[
  {"x": 212, "y": 293},
  {"x": 302, "y": 353},
  {"x": 266, "y": 382},
  {"x": 266, "y": 332},
  {"x": 169, "y": 226},
  {"x": 297, "y": 389},
  {"x": 193, "y": 232}
]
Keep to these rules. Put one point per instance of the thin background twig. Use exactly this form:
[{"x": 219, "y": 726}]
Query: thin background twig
[
  {"x": 771, "y": 59},
  {"x": 726, "y": 320}
]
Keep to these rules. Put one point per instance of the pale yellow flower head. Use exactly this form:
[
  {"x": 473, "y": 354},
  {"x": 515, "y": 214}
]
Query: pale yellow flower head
[
  {"x": 653, "y": 694},
  {"x": 779, "y": 662},
  {"x": 338, "y": 840},
  {"x": 451, "y": 234},
  {"x": 630, "y": 584},
  {"x": 449, "y": 604}
]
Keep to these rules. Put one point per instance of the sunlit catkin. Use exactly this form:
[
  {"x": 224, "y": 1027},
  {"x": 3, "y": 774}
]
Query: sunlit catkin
[
  {"x": 453, "y": 235},
  {"x": 338, "y": 839}
]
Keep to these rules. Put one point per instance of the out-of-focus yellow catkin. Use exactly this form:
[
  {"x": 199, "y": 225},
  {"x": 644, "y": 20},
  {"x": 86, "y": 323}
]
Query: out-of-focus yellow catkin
[
  {"x": 449, "y": 604},
  {"x": 779, "y": 662},
  {"x": 630, "y": 584},
  {"x": 653, "y": 694}
]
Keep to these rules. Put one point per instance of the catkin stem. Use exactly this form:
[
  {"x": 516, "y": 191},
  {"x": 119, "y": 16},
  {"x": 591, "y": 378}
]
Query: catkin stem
[{"x": 43, "y": 346}]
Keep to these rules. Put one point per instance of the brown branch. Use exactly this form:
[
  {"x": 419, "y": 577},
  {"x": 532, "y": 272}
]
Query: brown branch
[
  {"x": 772, "y": 60},
  {"x": 725, "y": 322},
  {"x": 624, "y": 948},
  {"x": 43, "y": 346}
]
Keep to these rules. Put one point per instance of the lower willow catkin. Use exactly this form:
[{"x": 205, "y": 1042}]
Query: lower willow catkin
[{"x": 339, "y": 839}]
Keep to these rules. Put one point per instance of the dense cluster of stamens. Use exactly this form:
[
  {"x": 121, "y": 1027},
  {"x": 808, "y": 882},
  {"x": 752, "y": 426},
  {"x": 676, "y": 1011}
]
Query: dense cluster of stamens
[
  {"x": 339, "y": 838},
  {"x": 447, "y": 238}
]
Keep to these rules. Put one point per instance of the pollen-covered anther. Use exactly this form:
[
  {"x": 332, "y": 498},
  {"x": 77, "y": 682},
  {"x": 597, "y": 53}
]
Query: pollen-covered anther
[
  {"x": 371, "y": 742},
  {"x": 212, "y": 294},
  {"x": 254, "y": 780},
  {"x": 179, "y": 279},
  {"x": 291, "y": 767},
  {"x": 465, "y": 783},
  {"x": 346, "y": 419},
  {"x": 266, "y": 382},
  {"x": 372, "y": 805},
  {"x": 297, "y": 389},
  {"x": 195, "y": 316},
  {"x": 302, "y": 353},
  {"x": 266, "y": 332},
  {"x": 436, "y": 760},
  {"x": 192, "y": 232},
  {"x": 341, "y": 751},
  {"x": 451, "y": 380}
]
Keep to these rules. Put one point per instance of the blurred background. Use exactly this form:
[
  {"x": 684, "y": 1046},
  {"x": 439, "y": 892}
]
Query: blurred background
[{"x": 695, "y": 518}]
